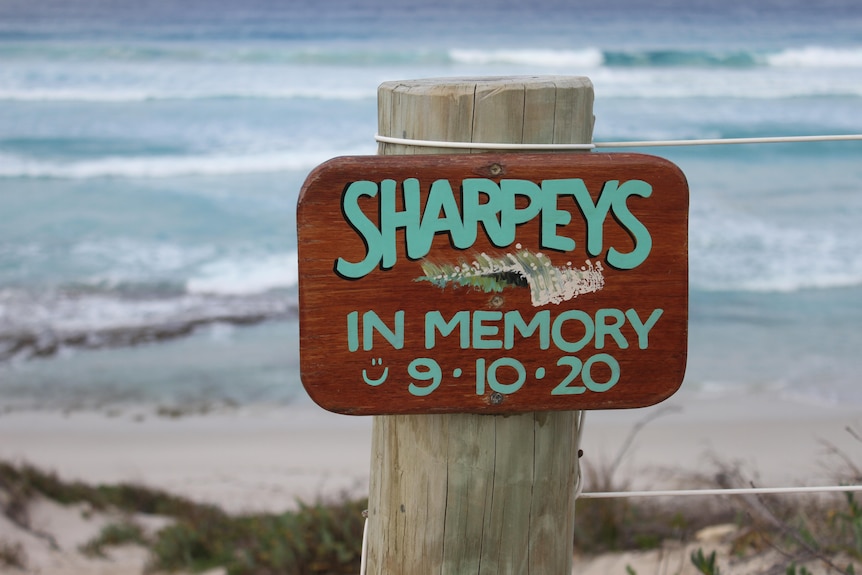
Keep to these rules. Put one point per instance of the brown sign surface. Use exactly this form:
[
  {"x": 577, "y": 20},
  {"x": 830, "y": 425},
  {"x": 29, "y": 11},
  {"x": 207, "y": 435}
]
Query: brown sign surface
[{"x": 492, "y": 283}]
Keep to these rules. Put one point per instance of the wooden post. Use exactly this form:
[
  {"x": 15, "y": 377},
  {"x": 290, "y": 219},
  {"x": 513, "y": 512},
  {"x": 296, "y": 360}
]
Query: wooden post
[{"x": 484, "y": 494}]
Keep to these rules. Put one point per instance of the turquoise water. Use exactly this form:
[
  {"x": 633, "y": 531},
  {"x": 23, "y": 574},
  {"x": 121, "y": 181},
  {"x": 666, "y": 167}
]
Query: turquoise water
[{"x": 150, "y": 161}]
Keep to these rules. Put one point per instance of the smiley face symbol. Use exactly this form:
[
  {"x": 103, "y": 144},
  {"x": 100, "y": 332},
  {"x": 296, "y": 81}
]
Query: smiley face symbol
[{"x": 379, "y": 380}]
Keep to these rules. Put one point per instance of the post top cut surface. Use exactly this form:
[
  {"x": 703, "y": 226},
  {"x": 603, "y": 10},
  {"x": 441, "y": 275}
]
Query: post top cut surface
[
  {"x": 506, "y": 110},
  {"x": 492, "y": 283}
]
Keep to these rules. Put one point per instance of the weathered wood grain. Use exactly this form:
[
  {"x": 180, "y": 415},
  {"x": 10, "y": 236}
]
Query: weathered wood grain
[{"x": 462, "y": 493}]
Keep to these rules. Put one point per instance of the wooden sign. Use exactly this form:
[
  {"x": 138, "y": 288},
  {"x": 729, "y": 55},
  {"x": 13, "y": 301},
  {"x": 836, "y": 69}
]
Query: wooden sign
[{"x": 492, "y": 283}]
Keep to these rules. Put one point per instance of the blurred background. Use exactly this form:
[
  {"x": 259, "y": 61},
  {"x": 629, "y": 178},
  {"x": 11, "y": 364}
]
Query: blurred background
[{"x": 151, "y": 153}]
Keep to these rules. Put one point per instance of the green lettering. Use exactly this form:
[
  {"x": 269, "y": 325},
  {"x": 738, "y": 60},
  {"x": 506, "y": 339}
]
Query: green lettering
[
  {"x": 639, "y": 233},
  {"x": 541, "y": 322},
  {"x": 557, "y": 330},
  {"x": 434, "y": 322},
  {"x": 552, "y": 218},
  {"x": 595, "y": 214},
  {"x": 366, "y": 229},
  {"x": 371, "y": 322},
  {"x": 441, "y": 215},
  {"x": 643, "y": 328},
  {"x": 481, "y": 330},
  {"x": 353, "y": 331},
  {"x": 392, "y": 219},
  {"x": 512, "y": 216},
  {"x": 488, "y": 213},
  {"x": 604, "y": 328}
]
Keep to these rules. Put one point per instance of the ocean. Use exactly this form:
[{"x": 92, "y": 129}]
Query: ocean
[{"x": 151, "y": 154}]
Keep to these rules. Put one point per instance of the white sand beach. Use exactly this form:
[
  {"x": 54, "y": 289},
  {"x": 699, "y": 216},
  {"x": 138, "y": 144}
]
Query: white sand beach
[{"x": 265, "y": 459}]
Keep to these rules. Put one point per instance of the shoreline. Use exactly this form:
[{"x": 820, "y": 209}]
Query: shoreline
[
  {"x": 254, "y": 459},
  {"x": 263, "y": 458}
]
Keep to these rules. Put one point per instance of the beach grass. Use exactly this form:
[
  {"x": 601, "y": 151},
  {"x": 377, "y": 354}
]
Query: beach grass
[
  {"x": 781, "y": 534},
  {"x": 12, "y": 555},
  {"x": 326, "y": 537}
]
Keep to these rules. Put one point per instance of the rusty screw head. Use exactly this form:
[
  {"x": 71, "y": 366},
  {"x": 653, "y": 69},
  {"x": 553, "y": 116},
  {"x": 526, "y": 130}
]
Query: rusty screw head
[{"x": 497, "y": 398}]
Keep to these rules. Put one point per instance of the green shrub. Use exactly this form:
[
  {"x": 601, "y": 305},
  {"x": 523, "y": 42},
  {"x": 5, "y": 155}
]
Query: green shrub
[
  {"x": 315, "y": 539},
  {"x": 114, "y": 534},
  {"x": 324, "y": 538}
]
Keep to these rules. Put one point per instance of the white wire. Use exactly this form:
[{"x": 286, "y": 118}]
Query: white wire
[
  {"x": 363, "y": 557},
  {"x": 631, "y": 144},
  {"x": 579, "y": 481},
  {"x": 484, "y": 146},
  {"x": 721, "y": 141},
  {"x": 737, "y": 491}
]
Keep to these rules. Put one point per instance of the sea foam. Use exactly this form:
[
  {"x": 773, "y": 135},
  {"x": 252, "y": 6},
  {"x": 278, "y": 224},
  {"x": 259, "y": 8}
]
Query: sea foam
[
  {"x": 12, "y": 166},
  {"x": 247, "y": 276}
]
